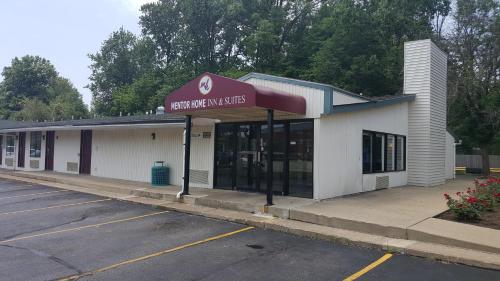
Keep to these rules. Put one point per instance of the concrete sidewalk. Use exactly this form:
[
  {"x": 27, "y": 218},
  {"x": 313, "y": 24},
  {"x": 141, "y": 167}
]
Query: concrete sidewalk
[
  {"x": 388, "y": 212},
  {"x": 403, "y": 213},
  {"x": 399, "y": 219}
]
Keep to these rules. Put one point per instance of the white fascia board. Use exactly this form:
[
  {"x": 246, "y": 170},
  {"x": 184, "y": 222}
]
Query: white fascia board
[{"x": 95, "y": 127}]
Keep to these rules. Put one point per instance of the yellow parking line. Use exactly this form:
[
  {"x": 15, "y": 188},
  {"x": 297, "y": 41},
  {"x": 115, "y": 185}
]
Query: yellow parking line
[
  {"x": 53, "y": 207},
  {"x": 368, "y": 268},
  {"x": 160, "y": 253},
  {"x": 82, "y": 227},
  {"x": 33, "y": 194}
]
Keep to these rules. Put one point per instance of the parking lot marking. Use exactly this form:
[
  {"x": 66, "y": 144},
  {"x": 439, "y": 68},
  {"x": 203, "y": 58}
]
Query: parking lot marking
[
  {"x": 369, "y": 267},
  {"x": 53, "y": 207},
  {"x": 82, "y": 227},
  {"x": 33, "y": 194},
  {"x": 160, "y": 253}
]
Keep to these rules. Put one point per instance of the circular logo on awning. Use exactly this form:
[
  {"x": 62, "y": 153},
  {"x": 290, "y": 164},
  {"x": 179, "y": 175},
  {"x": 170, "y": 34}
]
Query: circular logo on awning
[{"x": 205, "y": 85}]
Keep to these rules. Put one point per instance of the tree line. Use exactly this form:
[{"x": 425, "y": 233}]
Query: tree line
[
  {"x": 32, "y": 90},
  {"x": 355, "y": 45}
]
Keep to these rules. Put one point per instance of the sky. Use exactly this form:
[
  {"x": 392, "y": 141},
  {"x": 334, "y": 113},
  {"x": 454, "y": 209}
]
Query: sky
[{"x": 64, "y": 32}]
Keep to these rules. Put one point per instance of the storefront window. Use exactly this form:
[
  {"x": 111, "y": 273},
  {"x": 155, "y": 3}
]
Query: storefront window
[
  {"x": 301, "y": 155},
  {"x": 241, "y": 157},
  {"x": 400, "y": 153},
  {"x": 378, "y": 153},
  {"x": 35, "y": 144},
  {"x": 224, "y": 157},
  {"x": 367, "y": 152},
  {"x": 279, "y": 148},
  {"x": 391, "y": 145},
  {"x": 383, "y": 152},
  {"x": 10, "y": 146}
]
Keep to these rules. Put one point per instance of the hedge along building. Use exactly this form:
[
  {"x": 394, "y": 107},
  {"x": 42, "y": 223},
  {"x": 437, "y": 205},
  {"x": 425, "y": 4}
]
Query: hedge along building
[{"x": 327, "y": 142}]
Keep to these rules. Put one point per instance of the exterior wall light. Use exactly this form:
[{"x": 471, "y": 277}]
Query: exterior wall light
[{"x": 153, "y": 136}]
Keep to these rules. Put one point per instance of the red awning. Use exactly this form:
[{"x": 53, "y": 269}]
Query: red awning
[{"x": 218, "y": 97}]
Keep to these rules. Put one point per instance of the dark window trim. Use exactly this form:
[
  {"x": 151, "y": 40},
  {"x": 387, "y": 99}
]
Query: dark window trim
[{"x": 373, "y": 133}]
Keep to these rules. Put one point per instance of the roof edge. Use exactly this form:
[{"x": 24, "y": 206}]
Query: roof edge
[
  {"x": 298, "y": 82},
  {"x": 371, "y": 104}
]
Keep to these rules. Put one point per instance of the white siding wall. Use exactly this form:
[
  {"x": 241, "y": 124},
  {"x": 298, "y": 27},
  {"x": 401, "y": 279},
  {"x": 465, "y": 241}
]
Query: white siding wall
[
  {"x": 66, "y": 149},
  {"x": 338, "y": 149},
  {"x": 314, "y": 97},
  {"x": 450, "y": 156},
  {"x": 129, "y": 153},
  {"x": 202, "y": 153},
  {"x": 339, "y": 98},
  {"x": 425, "y": 76}
]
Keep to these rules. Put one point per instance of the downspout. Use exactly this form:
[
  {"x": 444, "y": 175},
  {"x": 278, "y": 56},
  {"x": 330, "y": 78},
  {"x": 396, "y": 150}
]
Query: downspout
[{"x": 455, "y": 144}]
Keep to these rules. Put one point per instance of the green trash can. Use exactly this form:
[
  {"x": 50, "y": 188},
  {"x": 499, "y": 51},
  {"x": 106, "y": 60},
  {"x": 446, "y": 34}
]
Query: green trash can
[{"x": 160, "y": 174}]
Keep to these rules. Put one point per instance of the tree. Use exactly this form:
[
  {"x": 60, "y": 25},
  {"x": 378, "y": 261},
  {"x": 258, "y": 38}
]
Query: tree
[
  {"x": 273, "y": 30},
  {"x": 68, "y": 103},
  {"x": 122, "y": 59},
  {"x": 358, "y": 45},
  {"x": 33, "y": 110},
  {"x": 32, "y": 90},
  {"x": 28, "y": 77},
  {"x": 475, "y": 63}
]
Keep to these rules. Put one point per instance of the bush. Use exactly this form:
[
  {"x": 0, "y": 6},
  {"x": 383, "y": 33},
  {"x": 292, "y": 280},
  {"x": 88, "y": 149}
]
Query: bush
[
  {"x": 492, "y": 185},
  {"x": 466, "y": 207},
  {"x": 469, "y": 205}
]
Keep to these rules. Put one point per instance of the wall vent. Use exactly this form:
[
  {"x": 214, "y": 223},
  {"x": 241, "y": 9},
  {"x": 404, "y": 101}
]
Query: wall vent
[
  {"x": 71, "y": 166},
  {"x": 9, "y": 162},
  {"x": 198, "y": 176},
  {"x": 382, "y": 182},
  {"x": 35, "y": 164}
]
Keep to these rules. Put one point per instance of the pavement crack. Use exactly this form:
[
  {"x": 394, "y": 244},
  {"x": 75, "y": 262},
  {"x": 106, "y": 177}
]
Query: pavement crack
[
  {"x": 82, "y": 218},
  {"x": 47, "y": 256}
]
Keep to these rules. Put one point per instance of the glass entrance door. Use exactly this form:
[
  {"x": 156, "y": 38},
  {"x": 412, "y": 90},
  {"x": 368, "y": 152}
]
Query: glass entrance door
[
  {"x": 241, "y": 157},
  {"x": 247, "y": 157}
]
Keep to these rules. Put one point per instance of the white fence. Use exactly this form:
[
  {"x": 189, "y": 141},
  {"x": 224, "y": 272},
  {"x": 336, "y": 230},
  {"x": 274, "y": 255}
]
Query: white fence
[{"x": 474, "y": 161}]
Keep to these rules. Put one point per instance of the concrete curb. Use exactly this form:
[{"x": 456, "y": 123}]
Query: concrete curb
[{"x": 314, "y": 231}]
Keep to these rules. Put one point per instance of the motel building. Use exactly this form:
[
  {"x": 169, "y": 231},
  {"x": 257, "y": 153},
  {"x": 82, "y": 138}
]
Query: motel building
[{"x": 261, "y": 133}]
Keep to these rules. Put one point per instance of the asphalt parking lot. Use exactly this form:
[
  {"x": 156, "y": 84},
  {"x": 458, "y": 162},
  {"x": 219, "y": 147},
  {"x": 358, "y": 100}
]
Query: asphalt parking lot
[{"x": 53, "y": 234}]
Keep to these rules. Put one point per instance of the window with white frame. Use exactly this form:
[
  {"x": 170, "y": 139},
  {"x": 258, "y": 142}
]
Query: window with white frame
[
  {"x": 383, "y": 152},
  {"x": 35, "y": 144},
  {"x": 10, "y": 146}
]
